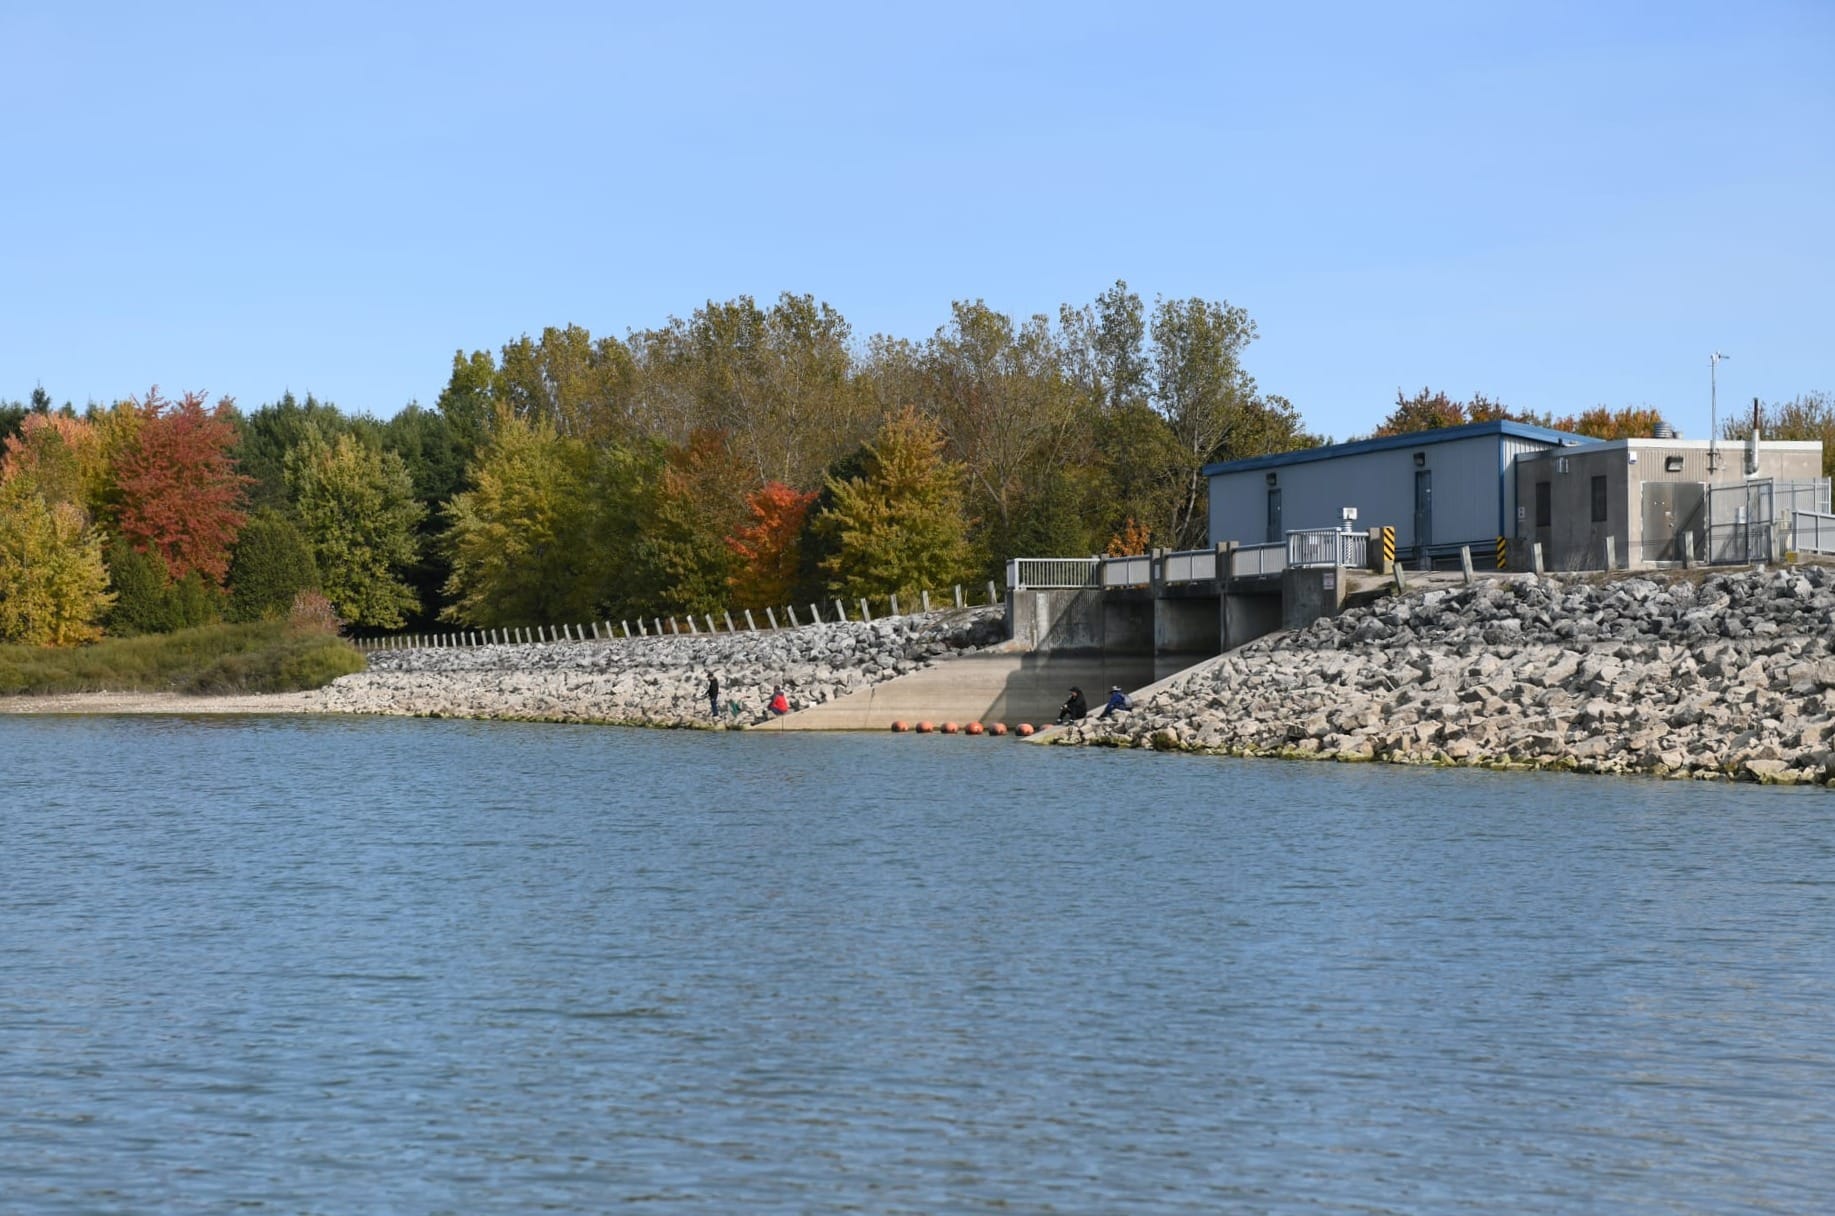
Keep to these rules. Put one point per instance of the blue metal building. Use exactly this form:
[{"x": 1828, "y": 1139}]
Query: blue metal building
[{"x": 1439, "y": 489}]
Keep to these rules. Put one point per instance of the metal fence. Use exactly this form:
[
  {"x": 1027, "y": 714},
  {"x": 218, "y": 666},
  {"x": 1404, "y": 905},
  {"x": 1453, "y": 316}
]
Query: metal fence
[
  {"x": 1812, "y": 532},
  {"x": 1052, "y": 573},
  {"x": 1327, "y": 547}
]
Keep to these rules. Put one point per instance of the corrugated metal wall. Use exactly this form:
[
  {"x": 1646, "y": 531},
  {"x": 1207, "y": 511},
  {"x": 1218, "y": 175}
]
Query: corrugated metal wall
[{"x": 1471, "y": 493}]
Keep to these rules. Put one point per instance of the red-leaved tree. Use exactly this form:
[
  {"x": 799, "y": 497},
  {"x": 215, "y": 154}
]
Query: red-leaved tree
[
  {"x": 767, "y": 547},
  {"x": 181, "y": 496}
]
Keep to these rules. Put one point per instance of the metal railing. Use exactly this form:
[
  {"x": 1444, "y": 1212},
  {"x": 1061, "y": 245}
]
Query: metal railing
[
  {"x": 1327, "y": 547},
  {"x": 1053, "y": 573},
  {"x": 1812, "y": 532},
  {"x": 1127, "y": 571},
  {"x": 1189, "y": 566},
  {"x": 1251, "y": 561}
]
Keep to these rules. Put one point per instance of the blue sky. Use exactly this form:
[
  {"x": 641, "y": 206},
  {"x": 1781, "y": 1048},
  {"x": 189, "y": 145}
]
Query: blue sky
[{"x": 1556, "y": 205}]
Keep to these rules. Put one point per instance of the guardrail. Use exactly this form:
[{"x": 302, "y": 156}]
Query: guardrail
[
  {"x": 1252, "y": 561},
  {"x": 1052, "y": 573},
  {"x": 1812, "y": 532},
  {"x": 1189, "y": 566},
  {"x": 1127, "y": 571},
  {"x": 1310, "y": 547}
]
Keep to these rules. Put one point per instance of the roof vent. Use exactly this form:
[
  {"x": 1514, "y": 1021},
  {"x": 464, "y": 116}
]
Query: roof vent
[{"x": 1662, "y": 430}]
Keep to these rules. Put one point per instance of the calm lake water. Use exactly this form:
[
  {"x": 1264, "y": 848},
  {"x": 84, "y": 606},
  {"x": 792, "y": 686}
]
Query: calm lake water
[{"x": 339, "y": 965}]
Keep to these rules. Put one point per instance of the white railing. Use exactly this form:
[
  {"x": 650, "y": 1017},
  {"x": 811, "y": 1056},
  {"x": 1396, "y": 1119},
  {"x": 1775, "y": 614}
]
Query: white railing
[
  {"x": 1812, "y": 532},
  {"x": 1127, "y": 571},
  {"x": 1189, "y": 566},
  {"x": 1251, "y": 561},
  {"x": 1052, "y": 573},
  {"x": 1327, "y": 547}
]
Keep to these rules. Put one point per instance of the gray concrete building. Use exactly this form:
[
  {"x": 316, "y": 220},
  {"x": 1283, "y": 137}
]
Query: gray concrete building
[
  {"x": 1661, "y": 500},
  {"x": 1439, "y": 489}
]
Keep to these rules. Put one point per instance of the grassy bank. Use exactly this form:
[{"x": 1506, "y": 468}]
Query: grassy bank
[{"x": 267, "y": 657}]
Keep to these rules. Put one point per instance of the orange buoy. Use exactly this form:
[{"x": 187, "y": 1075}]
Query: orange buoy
[
  {"x": 973, "y": 728},
  {"x": 997, "y": 728},
  {"x": 924, "y": 728},
  {"x": 1023, "y": 729},
  {"x": 950, "y": 728},
  {"x": 900, "y": 727}
]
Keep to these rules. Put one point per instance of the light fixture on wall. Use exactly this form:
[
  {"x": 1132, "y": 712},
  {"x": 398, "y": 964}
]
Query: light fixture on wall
[
  {"x": 1272, "y": 479},
  {"x": 1672, "y": 464},
  {"x": 1420, "y": 460}
]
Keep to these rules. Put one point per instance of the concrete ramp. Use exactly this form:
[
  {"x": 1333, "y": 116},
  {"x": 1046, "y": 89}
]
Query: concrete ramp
[{"x": 986, "y": 687}]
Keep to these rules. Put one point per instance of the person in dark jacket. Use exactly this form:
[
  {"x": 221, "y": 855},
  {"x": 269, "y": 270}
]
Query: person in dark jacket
[
  {"x": 1118, "y": 702},
  {"x": 1075, "y": 708},
  {"x": 713, "y": 695}
]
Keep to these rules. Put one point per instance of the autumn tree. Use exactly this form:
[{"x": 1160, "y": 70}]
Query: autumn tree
[
  {"x": 1805, "y": 417},
  {"x": 766, "y": 550},
  {"x": 1210, "y": 404},
  {"x": 1012, "y": 420},
  {"x": 1430, "y": 410},
  {"x": 1600, "y": 422},
  {"x": 53, "y": 584},
  {"x": 900, "y": 526},
  {"x": 180, "y": 492},
  {"x": 356, "y": 507},
  {"x": 776, "y": 381},
  {"x": 546, "y": 520}
]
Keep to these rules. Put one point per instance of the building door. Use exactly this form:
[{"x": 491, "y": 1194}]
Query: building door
[
  {"x": 1423, "y": 511},
  {"x": 1274, "y": 517}
]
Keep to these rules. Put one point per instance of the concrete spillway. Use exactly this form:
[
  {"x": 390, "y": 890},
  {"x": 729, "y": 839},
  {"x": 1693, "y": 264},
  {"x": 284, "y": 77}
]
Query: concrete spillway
[{"x": 985, "y": 687}]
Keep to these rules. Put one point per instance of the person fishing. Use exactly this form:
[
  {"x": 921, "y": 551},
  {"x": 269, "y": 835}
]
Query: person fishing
[
  {"x": 1118, "y": 702},
  {"x": 713, "y": 695},
  {"x": 1075, "y": 708},
  {"x": 780, "y": 704}
]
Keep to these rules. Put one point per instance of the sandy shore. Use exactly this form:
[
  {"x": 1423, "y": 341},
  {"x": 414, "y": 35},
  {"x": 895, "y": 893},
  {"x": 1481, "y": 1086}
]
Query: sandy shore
[{"x": 163, "y": 703}]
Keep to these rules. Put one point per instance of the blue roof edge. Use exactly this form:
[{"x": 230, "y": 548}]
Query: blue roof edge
[{"x": 1411, "y": 439}]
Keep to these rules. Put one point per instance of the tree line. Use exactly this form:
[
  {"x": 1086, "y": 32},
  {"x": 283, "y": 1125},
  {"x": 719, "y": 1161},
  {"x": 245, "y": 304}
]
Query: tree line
[{"x": 745, "y": 456}]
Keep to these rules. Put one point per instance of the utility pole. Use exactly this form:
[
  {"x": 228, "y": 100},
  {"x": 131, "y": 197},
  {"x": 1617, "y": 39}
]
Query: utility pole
[{"x": 1714, "y": 361}]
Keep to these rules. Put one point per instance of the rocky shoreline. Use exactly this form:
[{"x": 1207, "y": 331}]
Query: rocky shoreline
[
  {"x": 1691, "y": 674},
  {"x": 658, "y": 681}
]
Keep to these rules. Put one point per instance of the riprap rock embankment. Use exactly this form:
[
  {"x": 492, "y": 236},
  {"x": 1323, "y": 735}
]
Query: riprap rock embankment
[
  {"x": 658, "y": 681},
  {"x": 1723, "y": 674}
]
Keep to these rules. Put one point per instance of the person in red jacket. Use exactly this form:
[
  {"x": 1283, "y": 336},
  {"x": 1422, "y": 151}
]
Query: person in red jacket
[{"x": 780, "y": 704}]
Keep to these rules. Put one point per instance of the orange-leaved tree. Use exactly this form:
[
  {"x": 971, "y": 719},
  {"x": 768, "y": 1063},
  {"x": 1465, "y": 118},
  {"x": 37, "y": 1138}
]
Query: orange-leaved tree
[
  {"x": 181, "y": 496},
  {"x": 1632, "y": 422},
  {"x": 1134, "y": 538},
  {"x": 769, "y": 549}
]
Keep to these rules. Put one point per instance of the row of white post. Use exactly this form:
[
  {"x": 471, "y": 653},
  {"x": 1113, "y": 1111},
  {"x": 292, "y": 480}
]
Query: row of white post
[{"x": 542, "y": 634}]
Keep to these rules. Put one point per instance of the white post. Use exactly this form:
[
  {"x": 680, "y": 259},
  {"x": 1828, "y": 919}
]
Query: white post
[
  {"x": 772, "y": 617},
  {"x": 790, "y": 611},
  {"x": 840, "y": 611},
  {"x": 1465, "y": 563},
  {"x": 926, "y": 598},
  {"x": 729, "y": 622},
  {"x": 993, "y": 595},
  {"x": 815, "y": 613},
  {"x": 749, "y": 622},
  {"x": 865, "y": 615},
  {"x": 1688, "y": 550},
  {"x": 1610, "y": 561},
  {"x": 895, "y": 603}
]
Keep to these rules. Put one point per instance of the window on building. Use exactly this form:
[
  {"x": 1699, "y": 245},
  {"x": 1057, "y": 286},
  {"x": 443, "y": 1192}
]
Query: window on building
[
  {"x": 1545, "y": 513},
  {"x": 1599, "y": 499}
]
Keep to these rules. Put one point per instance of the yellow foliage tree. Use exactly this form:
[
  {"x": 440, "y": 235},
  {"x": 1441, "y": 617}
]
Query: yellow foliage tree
[{"x": 53, "y": 584}]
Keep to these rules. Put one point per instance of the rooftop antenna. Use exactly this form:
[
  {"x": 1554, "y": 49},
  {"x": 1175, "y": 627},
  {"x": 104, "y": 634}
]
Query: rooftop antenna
[{"x": 1714, "y": 361}]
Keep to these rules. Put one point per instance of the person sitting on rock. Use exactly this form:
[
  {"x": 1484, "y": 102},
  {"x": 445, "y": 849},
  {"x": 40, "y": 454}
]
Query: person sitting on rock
[
  {"x": 1118, "y": 702},
  {"x": 780, "y": 704},
  {"x": 1075, "y": 708}
]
